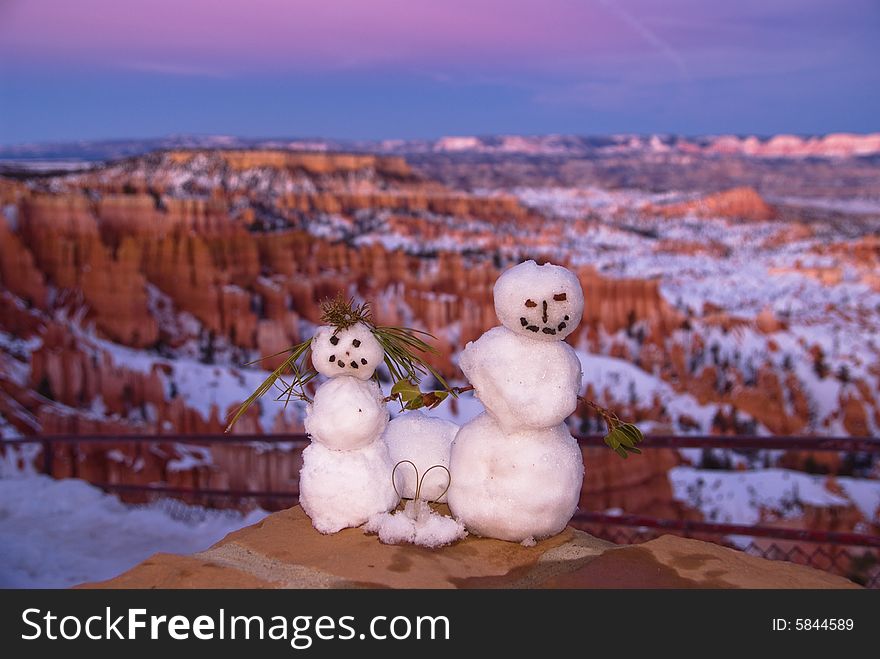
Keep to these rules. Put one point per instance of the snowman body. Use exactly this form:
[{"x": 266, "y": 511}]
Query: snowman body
[
  {"x": 346, "y": 472},
  {"x": 420, "y": 444},
  {"x": 516, "y": 470},
  {"x": 514, "y": 485}
]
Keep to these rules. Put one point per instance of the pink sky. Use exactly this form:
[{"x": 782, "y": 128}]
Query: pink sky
[{"x": 296, "y": 34}]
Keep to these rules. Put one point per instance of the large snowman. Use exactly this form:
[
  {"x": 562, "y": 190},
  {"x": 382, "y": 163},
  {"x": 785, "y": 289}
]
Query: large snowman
[
  {"x": 346, "y": 470},
  {"x": 516, "y": 469}
]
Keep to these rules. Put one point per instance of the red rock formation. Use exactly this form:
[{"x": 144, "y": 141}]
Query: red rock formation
[
  {"x": 793, "y": 146},
  {"x": 250, "y": 282},
  {"x": 618, "y": 303},
  {"x": 115, "y": 291},
  {"x": 638, "y": 486},
  {"x": 18, "y": 273},
  {"x": 737, "y": 204},
  {"x": 315, "y": 164},
  {"x": 144, "y": 215},
  {"x": 767, "y": 321},
  {"x": 863, "y": 254},
  {"x": 690, "y": 247}
]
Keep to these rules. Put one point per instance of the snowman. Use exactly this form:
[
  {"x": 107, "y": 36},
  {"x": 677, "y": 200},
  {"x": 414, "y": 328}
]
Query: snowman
[
  {"x": 516, "y": 469},
  {"x": 346, "y": 470}
]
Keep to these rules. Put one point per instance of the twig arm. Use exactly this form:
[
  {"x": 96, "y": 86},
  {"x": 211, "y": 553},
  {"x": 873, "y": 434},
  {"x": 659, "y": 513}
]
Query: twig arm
[
  {"x": 622, "y": 437},
  {"x": 609, "y": 417},
  {"x": 455, "y": 391}
]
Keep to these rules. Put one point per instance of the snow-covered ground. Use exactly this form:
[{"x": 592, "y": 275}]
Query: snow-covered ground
[
  {"x": 742, "y": 497},
  {"x": 58, "y": 533},
  {"x": 743, "y": 269}
]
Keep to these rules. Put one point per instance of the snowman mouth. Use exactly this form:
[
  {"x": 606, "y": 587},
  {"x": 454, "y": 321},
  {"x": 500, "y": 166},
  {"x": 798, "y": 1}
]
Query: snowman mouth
[{"x": 546, "y": 330}]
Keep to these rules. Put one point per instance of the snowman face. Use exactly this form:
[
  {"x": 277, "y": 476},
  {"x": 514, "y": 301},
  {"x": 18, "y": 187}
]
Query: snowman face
[
  {"x": 544, "y": 302},
  {"x": 353, "y": 351}
]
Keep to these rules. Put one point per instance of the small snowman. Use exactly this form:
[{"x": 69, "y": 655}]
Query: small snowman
[
  {"x": 345, "y": 472},
  {"x": 516, "y": 469},
  {"x": 347, "y": 475}
]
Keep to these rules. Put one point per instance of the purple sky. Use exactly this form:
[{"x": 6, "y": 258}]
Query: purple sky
[{"x": 88, "y": 69}]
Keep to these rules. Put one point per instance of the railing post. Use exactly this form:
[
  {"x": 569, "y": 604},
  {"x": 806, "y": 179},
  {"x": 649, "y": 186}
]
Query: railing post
[{"x": 48, "y": 458}]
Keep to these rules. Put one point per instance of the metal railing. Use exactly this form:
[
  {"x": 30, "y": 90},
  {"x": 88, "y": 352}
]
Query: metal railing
[
  {"x": 744, "y": 442},
  {"x": 854, "y": 555}
]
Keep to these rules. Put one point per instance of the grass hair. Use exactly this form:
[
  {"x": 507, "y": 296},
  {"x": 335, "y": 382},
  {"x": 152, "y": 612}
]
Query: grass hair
[{"x": 403, "y": 347}]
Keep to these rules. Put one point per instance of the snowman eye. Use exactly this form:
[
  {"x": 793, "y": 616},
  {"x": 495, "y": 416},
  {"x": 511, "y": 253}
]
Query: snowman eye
[
  {"x": 334, "y": 340},
  {"x": 531, "y": 303},
  {"x": 560, "y": 297},
  {"x": 356, "y": 343}
]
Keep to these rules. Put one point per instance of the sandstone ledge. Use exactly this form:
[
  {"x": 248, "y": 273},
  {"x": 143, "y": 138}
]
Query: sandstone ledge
[{"x": 284, "y": 551}]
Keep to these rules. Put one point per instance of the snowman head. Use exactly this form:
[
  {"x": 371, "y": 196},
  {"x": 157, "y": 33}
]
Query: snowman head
[
  {"x": 544, "y": 302},
  {"x": 350, "y": 351}
]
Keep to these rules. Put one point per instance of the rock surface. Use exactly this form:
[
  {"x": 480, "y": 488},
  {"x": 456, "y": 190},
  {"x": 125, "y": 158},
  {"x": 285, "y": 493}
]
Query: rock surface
[{"x": 284, "y": 551}]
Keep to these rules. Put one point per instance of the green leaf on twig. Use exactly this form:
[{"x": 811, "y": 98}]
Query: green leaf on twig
[
  {"x": 622, "y": 439},
  {"x": 406, "y": 390}
]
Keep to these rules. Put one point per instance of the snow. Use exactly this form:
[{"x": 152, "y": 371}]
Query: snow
[
  {"x": 512, "y": 486},
  {"x": 857, "y": 206},
  {"x": 346, "y": 472},
  {"x": 353, "y": 351},
  {"x": 742, "y": 497},
  {"x": 865, "y": 494},
  {"x": 614, "y": 376},
  {"x": 544, "y": 302},
  {"x": 425, "y": 441},
  {"x": 741, "y": 268},
  {"x": 9, "y": 213},
  {"x": 17, "y": 460},
  {"x": 189, "y": 457},
  {"x": 7, "y": 430},
  {"x": 211, "y": 389},
  {"x": 171, "y": 321},
  {"x": 416, "y": 524},
  {"x": 58, "y": 533},
  {"x": 342, "y": 489},
  {"x": 525, "y": 383},
  {"x": 18, "y": 347},
  {"x": 347, "y": 414},
  {"x": 207, "y": 388}
]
